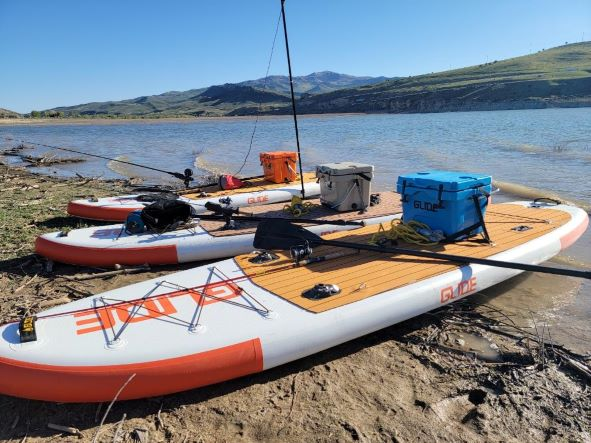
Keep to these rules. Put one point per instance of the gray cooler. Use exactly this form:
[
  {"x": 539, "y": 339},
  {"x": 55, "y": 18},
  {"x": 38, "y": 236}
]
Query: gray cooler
[{"x": 345, "y": 186}]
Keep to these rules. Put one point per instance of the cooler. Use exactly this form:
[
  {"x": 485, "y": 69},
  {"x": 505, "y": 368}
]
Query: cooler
[
  {"x": 279, "y": 166},
  {"x": 345, "y": 186},
  {"x": 444, "y": 200}
]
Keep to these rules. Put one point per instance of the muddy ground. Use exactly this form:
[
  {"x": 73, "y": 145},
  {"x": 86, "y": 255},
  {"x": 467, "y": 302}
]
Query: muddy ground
[{"x": 463, "y": 373}]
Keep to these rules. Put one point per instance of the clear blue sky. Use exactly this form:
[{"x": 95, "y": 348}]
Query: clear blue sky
[{"x": 66, "y": 52}]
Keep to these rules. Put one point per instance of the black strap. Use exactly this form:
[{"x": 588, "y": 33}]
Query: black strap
[
  {"x": 469, "y": 229},
  {"x": 363, "y": 176}
]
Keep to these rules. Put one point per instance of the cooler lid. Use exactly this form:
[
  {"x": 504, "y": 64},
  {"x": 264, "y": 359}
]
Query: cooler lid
[
  {"x": 279, "y": 154},
  {"x": 451, "y": 180},
  {"x": 344, "y": 168}
]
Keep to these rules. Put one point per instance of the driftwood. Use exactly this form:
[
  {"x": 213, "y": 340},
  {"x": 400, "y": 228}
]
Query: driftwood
[
  {"x": 24, "y": 285},
  {"x": 107, "y": 274},
  {"x": 98, "y": 431},
  {"x": 118, "y": 436},
  {"x": 55, "y": 302},
  {"x": 65, "y": 429}
]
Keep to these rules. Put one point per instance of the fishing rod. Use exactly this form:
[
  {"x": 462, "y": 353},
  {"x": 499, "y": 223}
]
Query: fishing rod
[
  {"x": 285, "y": 236},
  {"x": 186, "y": 177},
  {"x": 293, "y": 105}
]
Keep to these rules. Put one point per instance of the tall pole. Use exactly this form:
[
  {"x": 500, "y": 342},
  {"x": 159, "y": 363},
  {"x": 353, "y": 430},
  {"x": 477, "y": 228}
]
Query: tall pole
[{"x": 293, "y": 105}]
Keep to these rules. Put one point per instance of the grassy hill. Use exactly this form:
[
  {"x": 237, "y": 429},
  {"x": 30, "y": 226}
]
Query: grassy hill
[
  {"x": 5, "y": 113},
  {"x": 559, "y": 76},
  {"x": 229, "y": 99}
]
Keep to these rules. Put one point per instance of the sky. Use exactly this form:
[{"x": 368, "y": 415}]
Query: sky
[{"x": 68, "y": 52}]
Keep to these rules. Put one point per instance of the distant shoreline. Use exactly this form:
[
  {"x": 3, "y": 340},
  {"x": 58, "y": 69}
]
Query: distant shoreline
[
  {"x": 116, "y": 121},
  {"x": 113, "y": 121}
]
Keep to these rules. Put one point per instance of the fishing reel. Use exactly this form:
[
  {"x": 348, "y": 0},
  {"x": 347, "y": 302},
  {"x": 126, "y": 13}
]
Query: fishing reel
[
  {"x": 299, "y": 253},
  {"x": 186, "y": 176},
  {"x": 225, "y": 212}
]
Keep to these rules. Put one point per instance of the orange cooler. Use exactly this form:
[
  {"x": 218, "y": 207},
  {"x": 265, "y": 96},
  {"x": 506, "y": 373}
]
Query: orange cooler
[{"x": 279, "y": 166}]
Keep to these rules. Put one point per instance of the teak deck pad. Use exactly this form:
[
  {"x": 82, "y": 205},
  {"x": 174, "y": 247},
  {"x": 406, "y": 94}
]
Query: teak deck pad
[
  {"x": 390, "y": 204},
  {"x": 364, "y": 274},
  {"x": 254, "y": 185}
]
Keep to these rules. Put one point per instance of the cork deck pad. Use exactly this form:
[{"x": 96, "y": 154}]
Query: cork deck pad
[
  {"x": 390, "y": 204},
  {"x": 364, "y": 274},
  {"x": 254, "y": 185}
]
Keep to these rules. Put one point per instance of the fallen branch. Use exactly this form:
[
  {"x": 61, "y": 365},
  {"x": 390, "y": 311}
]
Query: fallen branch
[
  {"x": 107, "y": 274},
  {"x": 117, "y": 436},
  {"x": 24, "y": 285},
  {"x": 111, "y": 405},
  {"x": 65, "y": 429},
  {"x": 55, "y": 302}
]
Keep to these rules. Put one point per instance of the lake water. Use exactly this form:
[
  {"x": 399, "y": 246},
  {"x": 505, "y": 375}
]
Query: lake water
[{"x": 548, "y": 150}]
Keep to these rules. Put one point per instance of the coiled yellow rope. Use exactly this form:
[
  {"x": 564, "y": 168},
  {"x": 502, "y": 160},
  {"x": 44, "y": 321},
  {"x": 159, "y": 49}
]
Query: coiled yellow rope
[
  {"x": 298, "y": 207},
  {"x": 406, "y": 232}
]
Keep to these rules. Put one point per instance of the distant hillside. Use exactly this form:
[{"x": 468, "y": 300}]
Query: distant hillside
[
  {"x": 5, "y": 113},
  {"x": 315, "y": 83},
  {"x": 559, "y": 76},
  {"x": 229, "y": 99}
]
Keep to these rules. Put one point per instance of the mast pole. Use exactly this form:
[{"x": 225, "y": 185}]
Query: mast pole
[{"x": 293, "y": 105}]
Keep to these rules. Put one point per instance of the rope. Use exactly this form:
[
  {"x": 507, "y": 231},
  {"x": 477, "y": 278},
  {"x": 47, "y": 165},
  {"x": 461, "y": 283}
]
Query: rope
[
  {"x": 298, "y": 207},
  {"x": 254, "y": 130},
  {"x": 406, "y": 232}
]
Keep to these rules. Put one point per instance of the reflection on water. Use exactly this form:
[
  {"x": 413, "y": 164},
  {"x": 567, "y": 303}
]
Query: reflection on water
[{"x": 530, "y": 153}]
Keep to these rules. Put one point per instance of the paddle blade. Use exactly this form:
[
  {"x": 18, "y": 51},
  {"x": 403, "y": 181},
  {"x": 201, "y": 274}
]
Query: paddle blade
[{"x": 281, "y": 234}]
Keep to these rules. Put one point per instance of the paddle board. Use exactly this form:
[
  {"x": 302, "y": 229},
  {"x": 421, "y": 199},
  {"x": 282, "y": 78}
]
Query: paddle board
[
  {"x": 259, "y": 192},
  {"x": 236, "y": 317}
]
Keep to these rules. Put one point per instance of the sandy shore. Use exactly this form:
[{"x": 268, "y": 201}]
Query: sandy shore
[{"x": 463, "y": 373}]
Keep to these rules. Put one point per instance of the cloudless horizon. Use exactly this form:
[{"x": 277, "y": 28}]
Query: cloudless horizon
[{"x": 71, "y": 52}]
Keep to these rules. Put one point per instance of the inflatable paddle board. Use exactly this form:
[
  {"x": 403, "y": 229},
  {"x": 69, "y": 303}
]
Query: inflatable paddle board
[
  {"x": 239, "y": 316},
  {"x": 203, "y": 240},
  {"x": 258, "y": 192}
]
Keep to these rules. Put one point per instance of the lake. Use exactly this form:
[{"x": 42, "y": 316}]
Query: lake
[{"x": 527, "y": 150}]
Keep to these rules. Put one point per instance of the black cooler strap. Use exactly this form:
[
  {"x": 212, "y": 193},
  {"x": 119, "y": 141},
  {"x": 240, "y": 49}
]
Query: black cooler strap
[{"x": 469, "y": 229}]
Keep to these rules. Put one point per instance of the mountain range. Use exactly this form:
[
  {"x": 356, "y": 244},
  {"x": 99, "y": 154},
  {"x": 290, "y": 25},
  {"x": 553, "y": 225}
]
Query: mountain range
[
  {"x": 556, "y": 77},
  {"x": 242, "y": 98}
]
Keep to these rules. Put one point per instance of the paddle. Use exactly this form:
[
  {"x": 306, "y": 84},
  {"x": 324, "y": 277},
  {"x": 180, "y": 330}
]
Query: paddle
[
  {"x": 278, "y": 219},
  {"x": 283, "y": 235}
]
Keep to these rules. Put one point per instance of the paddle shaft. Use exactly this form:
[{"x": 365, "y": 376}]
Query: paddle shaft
[
  {"x": 298, "y": 220},
  {"x": 458, "y": 258}
]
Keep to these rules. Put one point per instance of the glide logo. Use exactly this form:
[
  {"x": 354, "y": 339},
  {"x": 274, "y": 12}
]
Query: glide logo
[
  {"x": 463, "y": 288},
  {"x": 136, "y": 311},
  {"x": 426, "y": 206}
]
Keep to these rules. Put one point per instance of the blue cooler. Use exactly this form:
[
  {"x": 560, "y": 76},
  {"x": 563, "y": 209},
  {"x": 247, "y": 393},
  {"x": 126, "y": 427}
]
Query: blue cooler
[{"x": 445, "y": 200}]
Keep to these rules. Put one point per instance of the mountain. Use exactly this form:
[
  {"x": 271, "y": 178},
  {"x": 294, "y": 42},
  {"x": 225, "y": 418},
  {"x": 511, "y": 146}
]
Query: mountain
[
  {"x": 228, "y": 99},
  {"x": 557, "y": 77},
  {"x": 315, "y": 83},
  {"x": 5, "y": 113}
]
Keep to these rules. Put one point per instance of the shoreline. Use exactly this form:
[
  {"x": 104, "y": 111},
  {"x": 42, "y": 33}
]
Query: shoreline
[
  {"x": 191, "y": 119},
  {"x": 114, "y": 121},
  {"x": 456, "y": 374}
]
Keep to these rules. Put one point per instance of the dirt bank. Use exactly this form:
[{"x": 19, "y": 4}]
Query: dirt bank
[{"x": 464, "y": 373}]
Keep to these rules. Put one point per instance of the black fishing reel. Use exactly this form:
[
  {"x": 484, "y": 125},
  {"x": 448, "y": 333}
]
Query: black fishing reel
[
  {"x": 186, "y": 176},
  {"x": 299, "y": 253},
  {"x": 225, "y": 212}
]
